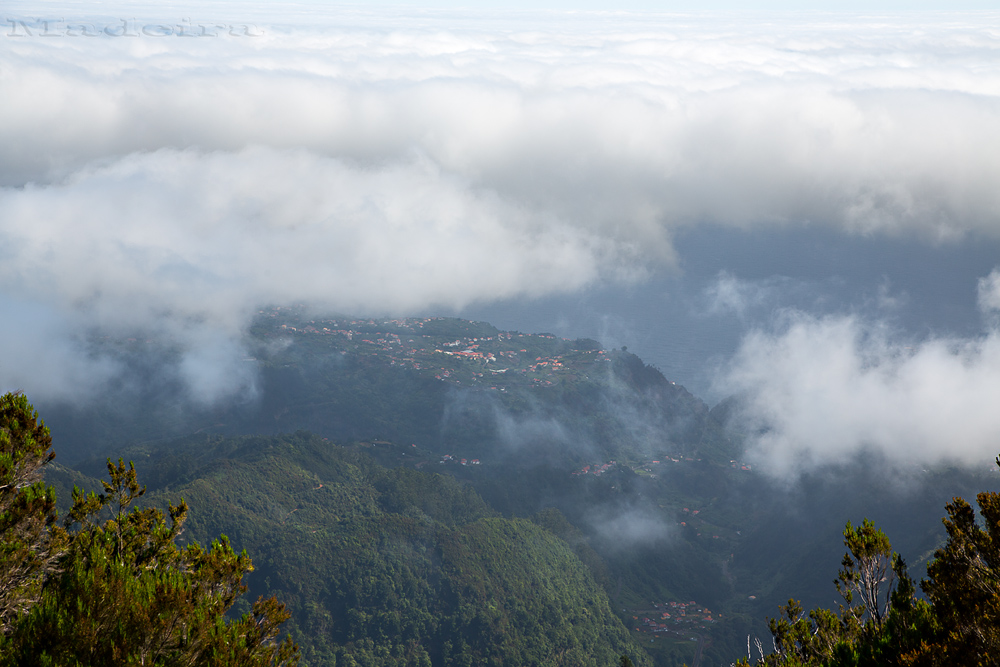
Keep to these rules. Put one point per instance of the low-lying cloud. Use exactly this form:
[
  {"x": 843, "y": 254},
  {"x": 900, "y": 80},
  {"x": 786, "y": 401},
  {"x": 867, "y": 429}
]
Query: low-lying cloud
[
  {"x": 631, "y": 527},
  {"x": 39, "y": 355},
  {"x": 212, "y": 235},
  {"x": 375, "y": 162},
  {"x": 822, "y": 390}
]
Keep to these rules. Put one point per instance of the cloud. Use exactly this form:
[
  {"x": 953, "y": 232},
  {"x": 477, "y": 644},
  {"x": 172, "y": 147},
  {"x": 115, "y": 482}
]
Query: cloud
[
  {"x": 988, "y": 295},
  {"x": 729, "y": 294},
  {"x": 372, "y": 161},
  {"x": 630, "y": 527},
  {"x": 38, "y": 355},
  {"x": 821, "y": 390},
  {"x": 211, "y": 235},
  {"x": 187, "y": 244},
  {"x": 886, "y": 300},
  {"x": 756, "y": 300},
  {"x": 620, "y": 129}
]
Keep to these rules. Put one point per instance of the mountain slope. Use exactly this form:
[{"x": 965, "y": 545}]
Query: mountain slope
[{"x": 387, "y": 566}]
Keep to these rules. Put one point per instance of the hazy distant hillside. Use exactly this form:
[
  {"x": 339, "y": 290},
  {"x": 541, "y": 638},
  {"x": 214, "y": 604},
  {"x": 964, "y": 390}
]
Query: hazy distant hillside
[{"x": 446, "y": 385}]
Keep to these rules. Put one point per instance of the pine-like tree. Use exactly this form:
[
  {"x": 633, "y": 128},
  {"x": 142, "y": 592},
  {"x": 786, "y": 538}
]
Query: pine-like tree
[
  {"x": 29, "y": 540},
  {"x": 963, "y": 585},
  {"x": 884, "y": 623},
  {"x": 112, "y": 587}
]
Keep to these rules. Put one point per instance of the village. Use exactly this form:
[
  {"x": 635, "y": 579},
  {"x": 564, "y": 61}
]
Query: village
[
  {"x": 448, "y": 458},
  {"x": 596, "y": 470},
  {"x": 492, "y": 359},
  {"x": 683, "y": 619},
  {"x": 673, "y": 623}
]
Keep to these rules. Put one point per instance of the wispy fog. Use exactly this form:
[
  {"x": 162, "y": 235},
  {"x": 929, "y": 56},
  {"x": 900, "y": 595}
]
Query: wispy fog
[
  {"x": 629, "y": 527},
  {"x": 40, "y": 353},
  {"x": 169, "y": 183},
  {"x": 821, "y": 390}
]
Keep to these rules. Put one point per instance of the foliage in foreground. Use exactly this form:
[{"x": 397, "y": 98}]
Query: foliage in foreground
[
  {"x": 883, "y": 623},
  {"x": 117, "y": 591}
]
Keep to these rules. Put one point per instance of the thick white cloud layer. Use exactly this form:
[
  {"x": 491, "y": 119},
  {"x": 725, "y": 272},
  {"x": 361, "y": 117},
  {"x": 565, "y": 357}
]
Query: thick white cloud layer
[
  {"x": 189, "y": 234},
  {"x": 393, "y": 162},
  {"x": 822, "y": 390}
]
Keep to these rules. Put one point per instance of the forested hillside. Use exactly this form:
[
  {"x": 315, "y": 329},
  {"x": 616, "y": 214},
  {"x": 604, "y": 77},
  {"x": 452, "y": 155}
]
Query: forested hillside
[
  {"x": 386, "y": 566},
  {"x": 423, "y": 439}
]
